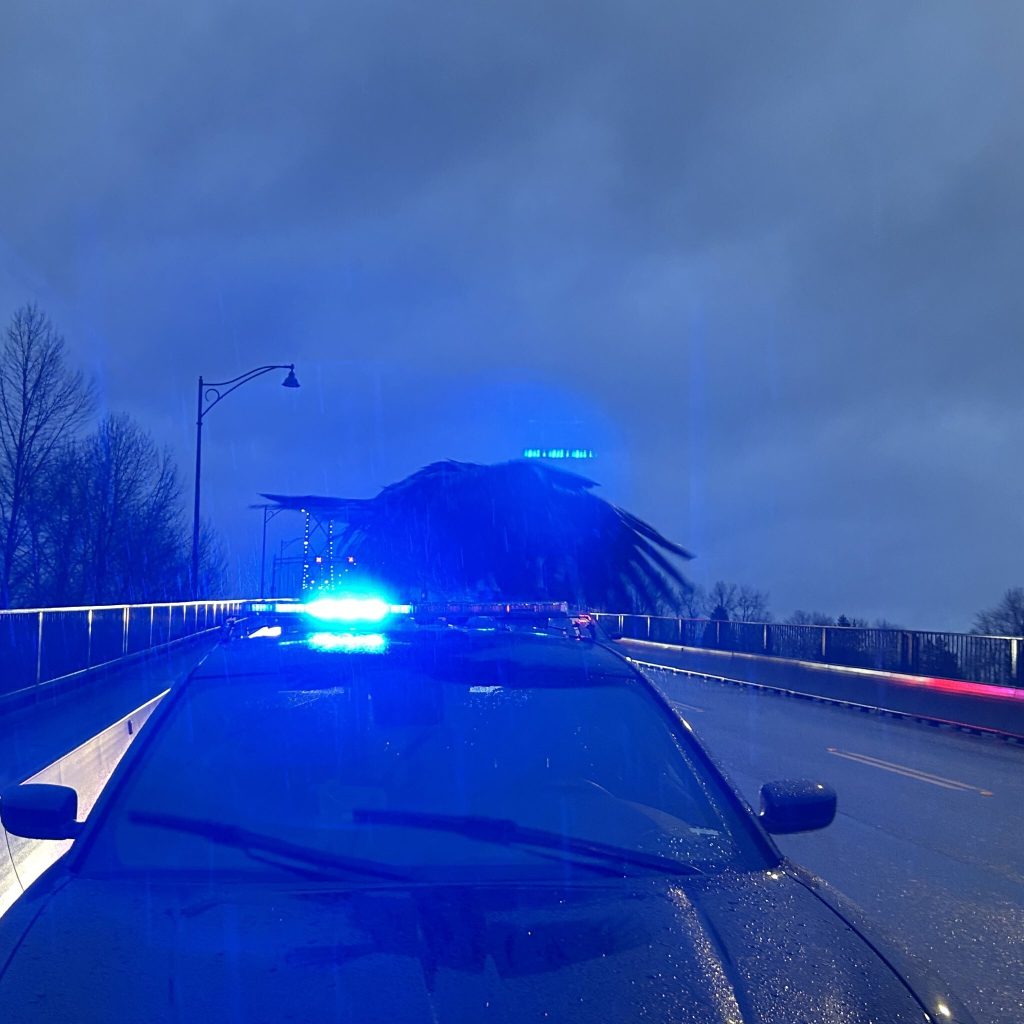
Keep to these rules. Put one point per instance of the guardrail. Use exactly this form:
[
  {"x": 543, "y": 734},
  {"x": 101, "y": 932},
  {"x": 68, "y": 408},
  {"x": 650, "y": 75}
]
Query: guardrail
[
  {"x": 985, "y": 659},
  {"x": 86, "y": 770},
  {"x": 42, "y": 645}
]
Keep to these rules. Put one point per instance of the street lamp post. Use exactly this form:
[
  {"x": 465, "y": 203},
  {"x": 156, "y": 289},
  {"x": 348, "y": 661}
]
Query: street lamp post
[
  {"x": 208, "y": 395},
  {"x": 269, "y": 511}
]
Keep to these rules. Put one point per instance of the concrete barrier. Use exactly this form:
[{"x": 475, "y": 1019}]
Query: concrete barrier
[{"x": 86, "y": 769}]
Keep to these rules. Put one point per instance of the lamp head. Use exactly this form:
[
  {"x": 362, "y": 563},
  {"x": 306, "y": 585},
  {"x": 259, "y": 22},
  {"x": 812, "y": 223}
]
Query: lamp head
[{"x": 290, "y": 381}]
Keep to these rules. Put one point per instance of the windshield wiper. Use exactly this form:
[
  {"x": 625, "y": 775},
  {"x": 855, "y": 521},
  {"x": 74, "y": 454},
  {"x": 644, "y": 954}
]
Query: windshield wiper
[
  {"x": 252, "y": 843},
  {"x": 506, "y": 832}
]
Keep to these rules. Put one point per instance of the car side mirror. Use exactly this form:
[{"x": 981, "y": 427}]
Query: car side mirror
[
  {"x": 796, "y": 805},
  {"x": 36, "y": 810}
]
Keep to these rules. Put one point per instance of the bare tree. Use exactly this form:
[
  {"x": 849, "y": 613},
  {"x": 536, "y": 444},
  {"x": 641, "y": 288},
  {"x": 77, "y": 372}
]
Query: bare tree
[
  {"x": 722, "y": 598},
  {"x": 1004, "y": 619},
  {"x": 695, "y": 603},
  {"x": 109, "y": 523},
  {"x": 42, "y": 403},
  {"x": 82, "y": 519},
  {"x": 802, "y": 618},
  {"x": 673, "y": 603},
  {"x": 752, "y": 605},
  {"x": 852, "y": 620},
  {"x": 53, "y": 566},
  {"x": 883, "y": 623},
  {"x": 213, "y": 564},
  {"x": 136, "y": 532},
  {"x": 741, "y": 603}
]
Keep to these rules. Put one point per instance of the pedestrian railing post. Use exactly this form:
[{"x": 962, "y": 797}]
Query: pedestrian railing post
[
  {"x": 88, "y": 642},
  {"x": 824, "y": 643},
  {"x": 39, "y": 651}
]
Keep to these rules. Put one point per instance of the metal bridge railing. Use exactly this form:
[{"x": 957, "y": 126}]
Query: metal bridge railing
[
  {"x": 985, "y": 659},
  {"x": 42, "y": 645}
]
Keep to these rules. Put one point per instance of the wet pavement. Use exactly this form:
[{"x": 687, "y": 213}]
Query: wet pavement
[{"x": 928, "y": 837}]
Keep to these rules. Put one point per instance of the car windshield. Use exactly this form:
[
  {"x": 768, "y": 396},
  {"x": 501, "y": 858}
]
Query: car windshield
[{"x": 387, "y": 765}]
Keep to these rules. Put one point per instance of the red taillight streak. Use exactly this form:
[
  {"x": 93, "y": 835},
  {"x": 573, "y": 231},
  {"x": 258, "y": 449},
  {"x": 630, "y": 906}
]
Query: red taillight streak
[{"x": 960, "y": 686}]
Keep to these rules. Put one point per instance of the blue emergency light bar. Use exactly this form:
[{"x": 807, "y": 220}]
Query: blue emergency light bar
[
  {"x": 492, "y": 609},
  {"x": 352, "y": 609},
  {"x": 336, "y": 609},
  {"x": 373, "y": 609},
  {"x": 365, "y": 611},
  {"x": 359, "y": 623}
]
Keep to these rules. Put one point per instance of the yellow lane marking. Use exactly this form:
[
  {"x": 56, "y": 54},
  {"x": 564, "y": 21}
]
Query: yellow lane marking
[{"x": 908, "y": 772}]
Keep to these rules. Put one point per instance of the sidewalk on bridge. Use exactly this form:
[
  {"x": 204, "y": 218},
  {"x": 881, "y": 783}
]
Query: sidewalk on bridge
[
  {"x": 917, "y": 697},
  {"x": 60, "y": 719}
]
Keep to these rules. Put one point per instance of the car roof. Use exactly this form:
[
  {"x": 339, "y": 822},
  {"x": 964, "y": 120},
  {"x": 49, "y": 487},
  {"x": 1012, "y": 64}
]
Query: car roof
[{"x": 509, "y": 658}]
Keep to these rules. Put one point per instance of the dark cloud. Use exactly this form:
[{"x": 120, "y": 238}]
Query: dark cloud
[{"x": 765, "y": 255}]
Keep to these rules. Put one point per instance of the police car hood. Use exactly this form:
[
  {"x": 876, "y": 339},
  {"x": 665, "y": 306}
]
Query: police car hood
[{"x": 735, "y": 948}]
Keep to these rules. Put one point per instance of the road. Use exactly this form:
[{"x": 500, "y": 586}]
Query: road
[{"x": 929, "y": 836}]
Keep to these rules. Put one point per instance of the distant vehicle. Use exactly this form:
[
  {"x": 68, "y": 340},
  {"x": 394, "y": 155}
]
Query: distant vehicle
[{"x": 362, "y": 812}]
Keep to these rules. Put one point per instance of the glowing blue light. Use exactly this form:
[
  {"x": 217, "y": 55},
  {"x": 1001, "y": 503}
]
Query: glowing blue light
[
  {"x": 558, "y": 453},
  {"x": 348, "y": 609},
  {"x": 351, "y": 643},
  {"x": 278, "y": 607}
]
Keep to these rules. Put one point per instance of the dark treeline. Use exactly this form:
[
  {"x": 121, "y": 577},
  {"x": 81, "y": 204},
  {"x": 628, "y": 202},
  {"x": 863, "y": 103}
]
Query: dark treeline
[
  {"x": 1006, "y": 618},
  {"x": 90, "y": 512},
  {"x": 736, "y": 602},
  {"x": 733, "y": 602}
]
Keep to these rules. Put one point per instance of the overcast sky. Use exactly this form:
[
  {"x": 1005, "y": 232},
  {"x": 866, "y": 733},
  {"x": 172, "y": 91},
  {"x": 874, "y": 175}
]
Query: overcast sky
[{"x": 764, "y": 258}]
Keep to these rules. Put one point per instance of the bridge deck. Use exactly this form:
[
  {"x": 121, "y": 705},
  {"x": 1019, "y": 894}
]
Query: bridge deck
[{"x": 985, "y": 707}]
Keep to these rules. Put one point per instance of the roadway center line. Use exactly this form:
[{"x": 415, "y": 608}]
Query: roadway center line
[{"x": 908, "y": 772}]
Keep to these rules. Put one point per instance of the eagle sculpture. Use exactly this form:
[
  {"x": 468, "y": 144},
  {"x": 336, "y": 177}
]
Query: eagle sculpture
[{"x": 517, "y": 530}]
